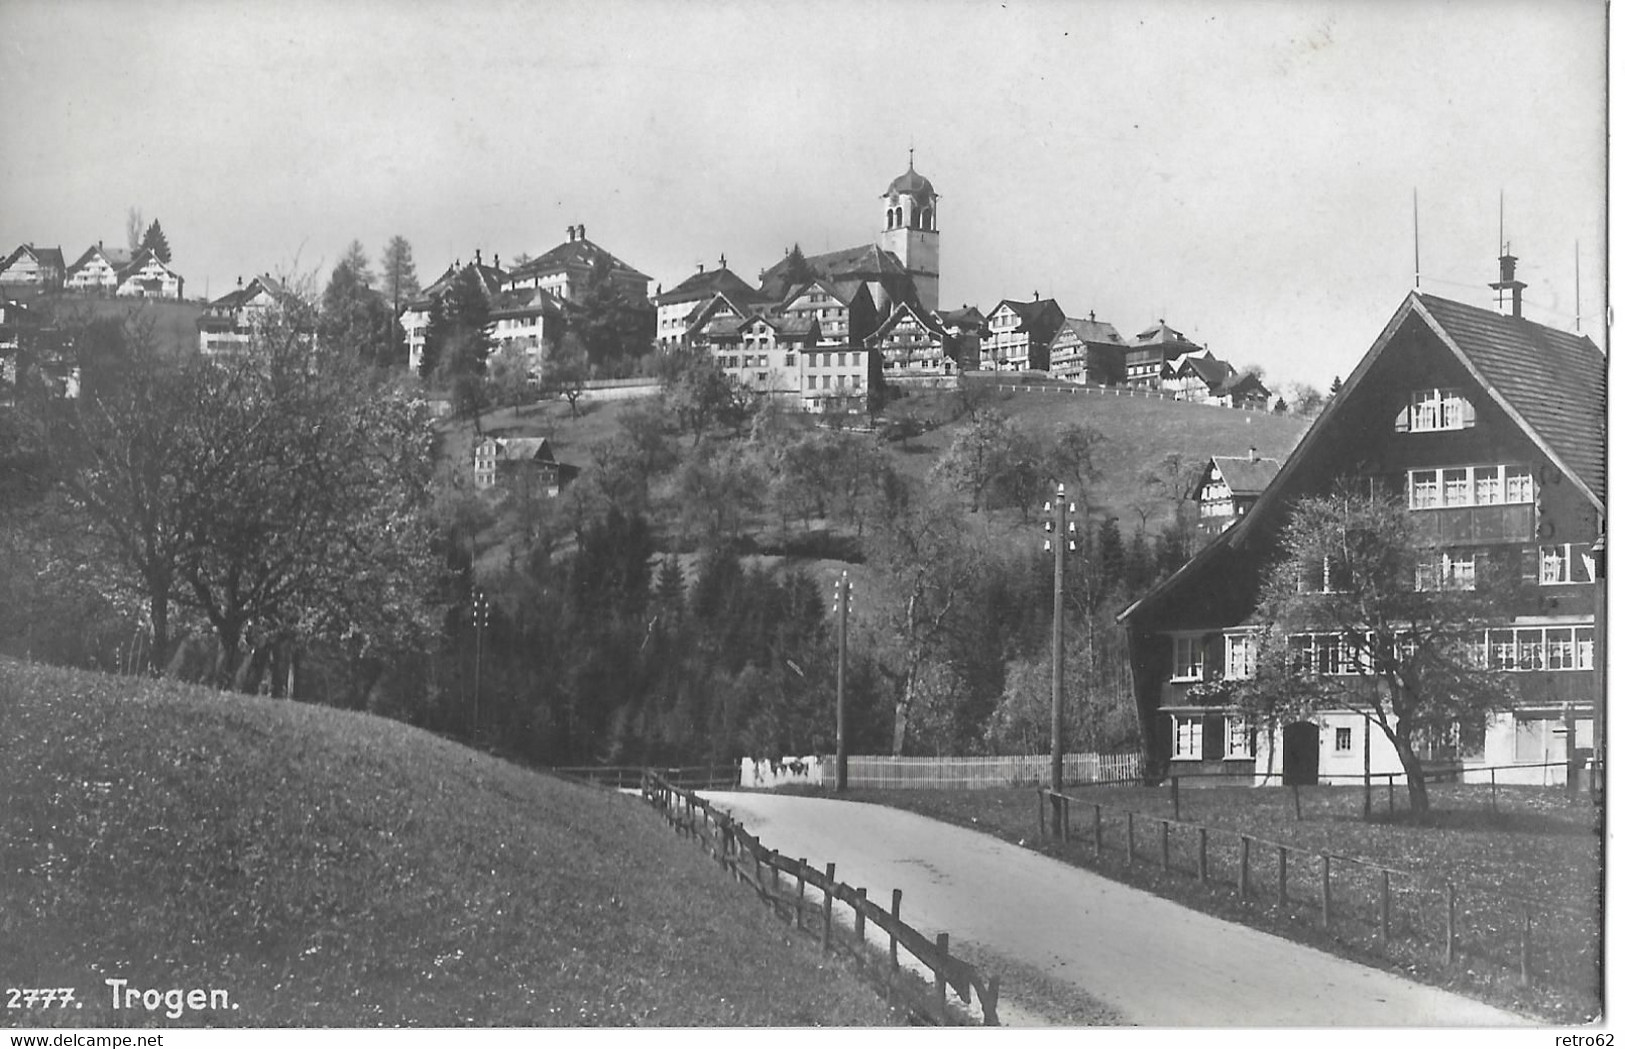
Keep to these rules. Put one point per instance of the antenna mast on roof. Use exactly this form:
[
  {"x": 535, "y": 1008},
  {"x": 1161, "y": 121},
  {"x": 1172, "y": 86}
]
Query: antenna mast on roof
[
  {"x": 1576, "y": 285},
  {"x": 1416, "y": 240},
  {"x": 1501, "y": 245}
]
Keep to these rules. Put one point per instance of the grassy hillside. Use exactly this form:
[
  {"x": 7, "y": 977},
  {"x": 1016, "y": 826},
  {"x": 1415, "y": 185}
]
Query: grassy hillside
[
  {"x": 1139, "y": 431},
  {"x": 325, "y": 868}
]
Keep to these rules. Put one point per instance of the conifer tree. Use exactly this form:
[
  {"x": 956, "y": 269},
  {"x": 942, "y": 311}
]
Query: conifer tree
[{"x": 156, "y": 242}]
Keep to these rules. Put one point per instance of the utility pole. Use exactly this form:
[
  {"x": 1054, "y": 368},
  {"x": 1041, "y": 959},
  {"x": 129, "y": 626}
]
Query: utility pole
[
  {"x": 1060, "y": 527},
  {"x": 843, "y": 604},
  {"x": 482, "y": 618}
]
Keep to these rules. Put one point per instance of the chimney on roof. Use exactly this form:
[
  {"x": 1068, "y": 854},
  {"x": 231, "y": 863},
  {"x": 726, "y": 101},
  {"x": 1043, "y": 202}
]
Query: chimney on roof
[
  {"x": 477, "y": 257},
  {"x": 701, "y": 267},
  {"x": 1035, "y": 296},
  {"x": 581, "y": 231},
  {"x": 239, "y": 280},
  {"x": 722, "y": 262},
  {"x": 570, "y": 232},
  {"x": 1252, "y": 455},
  {"x": 1509, "y": 282},
  {"x": 496, "y": 262},
  {"x": 1091, "y": 316}
]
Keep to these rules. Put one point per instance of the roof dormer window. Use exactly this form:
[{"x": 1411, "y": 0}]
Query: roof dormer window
[{"x": 1436, "y": 409}]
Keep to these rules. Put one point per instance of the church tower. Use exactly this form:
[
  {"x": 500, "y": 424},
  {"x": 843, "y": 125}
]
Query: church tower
[{"x": 910, "y": 230}]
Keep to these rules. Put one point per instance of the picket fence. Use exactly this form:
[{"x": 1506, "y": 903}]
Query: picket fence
[{"x": 893, "y": 773}]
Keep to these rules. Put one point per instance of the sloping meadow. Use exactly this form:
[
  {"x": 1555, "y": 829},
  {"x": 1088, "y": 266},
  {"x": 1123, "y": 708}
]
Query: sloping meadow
[{"x": 179, "y": 856}]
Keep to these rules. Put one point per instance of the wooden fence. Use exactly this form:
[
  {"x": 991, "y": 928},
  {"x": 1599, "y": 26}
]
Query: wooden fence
[
  {"x": 881, "y": 772},
  {"x": 630, "y": 777},
  {"x": 1063, "y": 386},
  {"x": 1368, "y": 904},
  {"x": 783, "y": 884}
]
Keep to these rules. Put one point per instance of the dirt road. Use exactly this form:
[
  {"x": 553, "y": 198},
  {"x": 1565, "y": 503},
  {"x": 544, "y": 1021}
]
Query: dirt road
[{"x": 1051, "y": 931}]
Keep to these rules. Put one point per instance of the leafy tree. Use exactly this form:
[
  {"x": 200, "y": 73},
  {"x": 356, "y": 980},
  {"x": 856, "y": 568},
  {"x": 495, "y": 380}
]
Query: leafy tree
[
  {"x": 508, "y": 373},
  {"x": 614, "y": 331},
  {"x": 458, "y": 341},
  {"x": 565, "y": 372},
  {"x": 1349, "y": 621},
  {"x": 701, "y": 395},
  {"x": 978, "y": 457},
  {"x": 135, "y": 229},
  {"x": 1306, "y": 400},
  {"x": 155, "y": 241},
  {"x": 400, "y": 276},
  {"x": 933, "y": 572},
  {"x": 128, "y": 458},
  {"x": 1071, "y": 460},
  {"x": 274, "y": 495}
]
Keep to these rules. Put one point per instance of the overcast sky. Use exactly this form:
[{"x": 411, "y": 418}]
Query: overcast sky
[{"x": 1244, "y": 170}]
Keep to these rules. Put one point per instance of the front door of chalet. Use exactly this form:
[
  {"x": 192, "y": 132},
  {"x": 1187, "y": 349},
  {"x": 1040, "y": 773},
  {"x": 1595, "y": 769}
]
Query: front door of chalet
[{"x": 1300, "y": 757}]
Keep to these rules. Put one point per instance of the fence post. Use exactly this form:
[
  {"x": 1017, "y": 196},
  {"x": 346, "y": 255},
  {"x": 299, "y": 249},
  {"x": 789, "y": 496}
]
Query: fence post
[
  {"x": 942, "y": 982},
  {"x": 1131, "y": 838},
  {"x": 896, "y": 918},
  {"x": 1450, "y": 923},
  {"x": 858, "y": 920},
  {"x": 1201, "y": 855},
  {"x": 1241, "y": 875},
  {"x": 1066, "y": 818},
  {"x": 1097, "y": 831},
  {"x": 1280, "y": 875},
  {"x": 801, "y": 887},
  {"x": 1523, "y": 949},
  {"x": 1165, "y": 845},
  {"x": 773, "y": 865},
  {"x": 1174, "y": 780},
  {"x": 1325, "y": 890},
  {"x": 1385, "y": 906},
  {"x": 829, "y": 901}
]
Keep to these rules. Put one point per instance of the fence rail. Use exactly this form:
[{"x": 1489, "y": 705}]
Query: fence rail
[
  {"x": 1541, "y": 942},
  {"x": 783, "y": 883},
  {"x": 894, "y": 773},
  {"x": 630, "y": 777}
]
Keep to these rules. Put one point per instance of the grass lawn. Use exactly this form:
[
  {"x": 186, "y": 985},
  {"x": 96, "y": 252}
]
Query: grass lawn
[
  {"x": 1537, "y": 850},
  {"x": 328, "y": 868}
]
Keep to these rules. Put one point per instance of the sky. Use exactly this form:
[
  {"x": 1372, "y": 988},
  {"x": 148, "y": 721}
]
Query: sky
[{"x": 1243, "y": 170}]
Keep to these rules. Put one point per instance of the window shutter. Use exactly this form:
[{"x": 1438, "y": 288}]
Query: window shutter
[{"x": 1402, "y": 421}]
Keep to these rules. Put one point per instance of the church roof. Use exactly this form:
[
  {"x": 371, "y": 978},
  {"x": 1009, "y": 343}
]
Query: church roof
[{"x": 863, "y": 263}]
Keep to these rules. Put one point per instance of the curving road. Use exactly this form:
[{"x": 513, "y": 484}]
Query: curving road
[{"x": 1060, "y": 935}]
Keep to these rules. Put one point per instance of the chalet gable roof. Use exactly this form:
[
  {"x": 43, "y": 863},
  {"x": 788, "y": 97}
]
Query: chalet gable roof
[
  {"x": 905, "y": 311},
  {"x": 1243, "y": 475},
  {"x": 1551, "y": 384}
]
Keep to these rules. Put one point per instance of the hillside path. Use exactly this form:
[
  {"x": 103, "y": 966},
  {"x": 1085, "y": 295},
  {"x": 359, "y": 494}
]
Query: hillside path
[{"x": 1151, "y": 961}]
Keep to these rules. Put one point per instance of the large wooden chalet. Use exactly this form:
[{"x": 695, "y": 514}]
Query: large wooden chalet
[{"x": 1494, "y": 427}]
